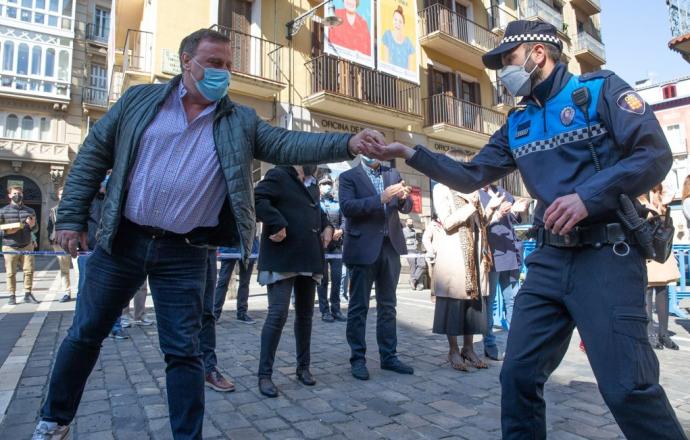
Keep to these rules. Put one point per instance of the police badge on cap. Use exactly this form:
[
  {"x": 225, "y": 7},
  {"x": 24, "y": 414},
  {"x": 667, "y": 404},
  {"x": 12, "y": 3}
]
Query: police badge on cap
[{"x": 518, "y": 32}]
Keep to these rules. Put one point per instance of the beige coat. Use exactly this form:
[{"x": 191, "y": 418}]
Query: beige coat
[{"x": 450, "y": 278}]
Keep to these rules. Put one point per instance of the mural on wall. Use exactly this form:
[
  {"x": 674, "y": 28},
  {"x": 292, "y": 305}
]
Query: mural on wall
[
  {"x": 353, "y": 39},
  {"x": 397, "y": 38}
]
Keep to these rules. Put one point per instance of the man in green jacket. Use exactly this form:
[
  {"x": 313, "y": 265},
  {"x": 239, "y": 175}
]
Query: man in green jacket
[{"x": 181, "y": 156}]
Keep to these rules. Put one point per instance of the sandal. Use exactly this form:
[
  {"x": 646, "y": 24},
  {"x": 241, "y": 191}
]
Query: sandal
[
  {"x": 457, "y": 366},
  {"x": 471, "y": 357}
]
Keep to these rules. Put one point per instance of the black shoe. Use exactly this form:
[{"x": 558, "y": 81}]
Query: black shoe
[
  {"x": 245, "y": 319},
  {"x": 398, "y": 367},
  {"x": 327, "y": 317},
  {"x": 492, "y": 353},
  {"x": 667, "y": 342},
  {"x": 360, "y": 371},
  {"x": 29, "y": 299},
  {"x": 65, "y": 298},
  {"x": 304, "y": 376},
  {"x": 338, "y": 316},
  {"x": 655, "y": 342},
  {"x": 12, "y": 301},
  {"x": 267, "y": 387}
]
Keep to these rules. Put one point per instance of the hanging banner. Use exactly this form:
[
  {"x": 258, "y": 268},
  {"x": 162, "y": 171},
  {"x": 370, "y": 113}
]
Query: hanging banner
[
  {"x": 397, "y": 39},
  {"x": 353, "y": 39}
]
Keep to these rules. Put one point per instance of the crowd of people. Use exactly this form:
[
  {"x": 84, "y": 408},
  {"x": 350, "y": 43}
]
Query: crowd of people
[{"x": 159, "y": 223}]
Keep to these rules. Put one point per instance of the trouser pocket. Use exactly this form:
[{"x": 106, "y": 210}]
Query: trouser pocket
[{"x": 636, "y": 362}]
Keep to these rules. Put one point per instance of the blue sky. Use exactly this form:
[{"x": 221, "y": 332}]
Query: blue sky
[{"x": 636, "y": 35}]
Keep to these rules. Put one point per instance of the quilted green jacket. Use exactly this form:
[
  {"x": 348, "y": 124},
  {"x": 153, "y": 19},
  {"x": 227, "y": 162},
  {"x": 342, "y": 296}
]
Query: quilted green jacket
[{"x": 239, "y": 134}]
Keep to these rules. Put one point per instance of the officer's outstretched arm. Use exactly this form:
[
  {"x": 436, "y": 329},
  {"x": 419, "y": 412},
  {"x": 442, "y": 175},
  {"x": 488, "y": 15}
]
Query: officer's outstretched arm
[
  {"x": 490, "y": 164},
  {"x": 647, "y": 155}
]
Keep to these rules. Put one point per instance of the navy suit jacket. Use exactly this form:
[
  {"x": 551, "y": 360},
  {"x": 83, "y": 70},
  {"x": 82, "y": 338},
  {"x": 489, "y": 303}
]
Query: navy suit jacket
[{"x": 366, "y": 215}]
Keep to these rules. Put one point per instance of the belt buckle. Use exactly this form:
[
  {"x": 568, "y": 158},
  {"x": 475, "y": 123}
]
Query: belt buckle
[{"x": 572, "y": 238}]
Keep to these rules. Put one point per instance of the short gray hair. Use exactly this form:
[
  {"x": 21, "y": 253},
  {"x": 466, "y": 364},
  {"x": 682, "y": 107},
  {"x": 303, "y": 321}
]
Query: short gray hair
[{"x": 191, "y": 41}]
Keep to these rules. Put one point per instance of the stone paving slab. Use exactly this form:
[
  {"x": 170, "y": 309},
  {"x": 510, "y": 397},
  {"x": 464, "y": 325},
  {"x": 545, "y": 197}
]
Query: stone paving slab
[{"x": 125, "y": 397}]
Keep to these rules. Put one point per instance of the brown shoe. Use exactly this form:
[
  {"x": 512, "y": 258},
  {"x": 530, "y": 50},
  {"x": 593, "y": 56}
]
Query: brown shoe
[{"x": 215, "y": 380}]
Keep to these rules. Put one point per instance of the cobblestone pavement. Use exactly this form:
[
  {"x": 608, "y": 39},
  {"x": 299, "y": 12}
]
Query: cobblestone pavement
[{"x": 125, "y": 396}]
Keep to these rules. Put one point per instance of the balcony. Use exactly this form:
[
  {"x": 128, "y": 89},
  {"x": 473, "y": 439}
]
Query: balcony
[
  {"x": 538, "y": 10},
  {"x": 96, "y": 35},
  {"x": 462, "y": 122},
  {"x": 34, "y": 87},
  {"x": 589, "y": 49},
  {"x": 116, "y": 81},
  {"x": 499, "y": 18},
  {"x": 454, "y": 35},
  {"x": 589, "y": 7},
  {"x": 255, "y": 64},
  {"x": 137, "y": 64},
  {"x": 346, "y": 89},
  {"x": 95, "y": 98},
  {"x": 502, "y": 100},
  {"x": 33, "y": 151}
]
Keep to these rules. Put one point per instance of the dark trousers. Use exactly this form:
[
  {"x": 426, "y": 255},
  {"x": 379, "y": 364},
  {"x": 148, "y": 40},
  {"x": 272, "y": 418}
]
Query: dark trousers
[
  {"x": 336, "y": 269},
  {"x": 386, "y": 272},
  {"x": 176, "y": 273},
  {"x": 603, "y": 295},
  {"x": 278, "y": 307},
  {"x": 417, "y": 267},
  {"x": 226, "y": 269},
  {"x": 207, "y": 337}
]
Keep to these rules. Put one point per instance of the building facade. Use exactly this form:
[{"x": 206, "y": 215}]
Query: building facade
[
  {"x": 53, "y": 55},
  {"x": 439, "y": 95},
  {"x": 679, "y": 19}
]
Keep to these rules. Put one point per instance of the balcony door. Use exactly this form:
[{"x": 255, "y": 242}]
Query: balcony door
[
  {"x": 454, "y": 100},
  {"x": 237, "y": 15},
  {"x": 101, "y": 25}
]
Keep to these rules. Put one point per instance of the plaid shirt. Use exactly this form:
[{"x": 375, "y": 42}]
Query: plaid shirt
[{"x": 375, "y": 177}]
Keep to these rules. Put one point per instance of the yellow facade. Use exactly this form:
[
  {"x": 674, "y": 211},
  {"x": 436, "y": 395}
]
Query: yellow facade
[{"x": 293, "y": 83}]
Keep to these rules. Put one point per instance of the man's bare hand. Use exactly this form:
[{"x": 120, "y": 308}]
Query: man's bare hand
[
  {"x": 391, "y": 151},
  {"x": 365, "y": 142},
  {"x": 564, "y": 213},
  {"x": 326, "y": 237},
  {"x": 72, "y": 241},
  {"x": 392, "y": 191},
  {"x": 278, "y": 236},
  {"x": 31, "y": 221},
  {"x": 505, "y": 208},
  {"x": 520, "y": 206},
  {"x": 495, "y": 201},
  {"x": 338, "y": 234}
]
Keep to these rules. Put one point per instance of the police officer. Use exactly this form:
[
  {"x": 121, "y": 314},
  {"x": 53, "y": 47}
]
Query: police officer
[{"x": 577, "y": 153}]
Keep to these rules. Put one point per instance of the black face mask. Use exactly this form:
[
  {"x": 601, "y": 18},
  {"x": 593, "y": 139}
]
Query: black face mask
[
  {"x": 17, "y": 198},
  {"x": 309, "y": 170}
]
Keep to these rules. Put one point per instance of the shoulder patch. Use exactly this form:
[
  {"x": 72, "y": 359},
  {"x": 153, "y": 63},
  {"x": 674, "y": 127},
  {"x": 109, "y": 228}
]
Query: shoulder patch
[
  {"x": 595, "y": 75},
  {"x": 631, "y": 102}
]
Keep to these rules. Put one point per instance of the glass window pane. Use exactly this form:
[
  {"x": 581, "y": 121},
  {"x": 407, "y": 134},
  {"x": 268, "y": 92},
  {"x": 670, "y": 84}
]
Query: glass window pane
[
  {"x": 11, "y": 124},
  {"x": 36, "y": 60},
  {"x": 8, "y": 57},
  {"x": 27, "y": 127},
  {"x": 54, "y": 5},
  {"x": 27, "y": 3},
  {"x": 25, "y": 15},
  {"x": 63, "y": 66},
  {"x": 39, "y": 18},
  {"x": 23, "y": 59},
  {"x": 50, "y": 63},
  {"x": 67, "y": 8},
  {"x": 12, "y": 12},
  {"x": 40, "y": 4},
  {"x": 52, "y": 20},
  {"x": 45, "y": 129}
]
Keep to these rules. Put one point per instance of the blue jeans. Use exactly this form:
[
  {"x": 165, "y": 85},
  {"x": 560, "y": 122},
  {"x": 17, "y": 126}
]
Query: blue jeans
[
  {"x": 177, "y": 273},
  {"x": 508, "y": 282},
  {"x": 81, "y": 264},
  {"x": 226, "y": 268},
  {"x": 207, "y": 337},
  {"x": 336, "y": 270}
]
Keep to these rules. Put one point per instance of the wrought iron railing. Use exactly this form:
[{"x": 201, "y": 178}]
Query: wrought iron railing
[
  {"x": 342, "y": 77},
  {"x": 95, "y": 96},
  {"x": 530, "y": 9},
  {"x": 586, "y": 42},
  {"x": 253, "y": 55},
  {"x": 446, "y": 109},
  {"x": 138, "y": 54},
  {"x": 438, "y": 18},
  {"x": 99, "y": 34},
  {"x": 501, "y": 95}
]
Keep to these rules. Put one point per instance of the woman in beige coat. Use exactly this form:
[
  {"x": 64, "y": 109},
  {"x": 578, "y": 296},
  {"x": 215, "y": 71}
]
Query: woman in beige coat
[
  {"x": 659, "y": 276},
  {"x": 460, "y": 273}
]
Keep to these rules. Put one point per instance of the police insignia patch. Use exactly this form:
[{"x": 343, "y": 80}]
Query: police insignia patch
[
  {"x": 631, "y": 102},
  {"x": 567, "y": 115},
  {"x": 522, "y": 130}
]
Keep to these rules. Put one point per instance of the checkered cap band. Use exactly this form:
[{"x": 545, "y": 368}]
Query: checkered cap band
[
  {"x": 560, "y": 139},
  {"x": 544, "y": 38}
]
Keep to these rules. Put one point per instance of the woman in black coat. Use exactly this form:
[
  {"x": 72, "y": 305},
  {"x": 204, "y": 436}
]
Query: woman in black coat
[{"x": 291, "y": 256}]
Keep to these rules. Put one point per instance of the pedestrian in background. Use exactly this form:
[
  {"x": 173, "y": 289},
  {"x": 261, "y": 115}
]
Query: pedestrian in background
[
  {"x": 414, "y": 263},
  {"x": 227, "y": 267},
  {"x": 330, "y": 310},
  {"x": 63, "y": 260}
]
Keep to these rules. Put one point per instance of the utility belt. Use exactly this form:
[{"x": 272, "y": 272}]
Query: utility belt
[{"x": 596, "y": 236}]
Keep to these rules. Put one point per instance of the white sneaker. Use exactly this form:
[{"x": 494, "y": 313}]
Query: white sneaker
[
  {"x": 143, "y": 322},
  {"x": 50, "y": 431},
  {"x": 125, "y": 322}
]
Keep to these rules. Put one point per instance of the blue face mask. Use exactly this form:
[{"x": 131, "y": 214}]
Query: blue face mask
[
  {"x": 214, "y": 85},
  {"x": 368, "y": 161}
]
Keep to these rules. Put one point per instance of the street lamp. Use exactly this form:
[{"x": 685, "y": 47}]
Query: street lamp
[{"x": 329, "y": 19}]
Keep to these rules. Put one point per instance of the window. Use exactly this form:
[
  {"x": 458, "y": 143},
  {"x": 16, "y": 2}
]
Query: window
[
  {"x": 11, "y": 125},
  {"x": 63, "y": 66},
  {"x": 36, "y": 60},
  {"x": 98, "y": 76},
  {"x": 8, "y": 56},
  {"x": 27, "y": 127},
  {"x": 669, "y": 91},
  {"x": 674, "y": 136},
  {"x": 23, "y": 59},
  {"x": 50, "y": 63},
  {"x": 101, "y": 23},
  {"x": 45, "y": 129}
]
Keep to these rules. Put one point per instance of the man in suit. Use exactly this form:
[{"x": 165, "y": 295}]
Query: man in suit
[{"x": 370, "y": 197}]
